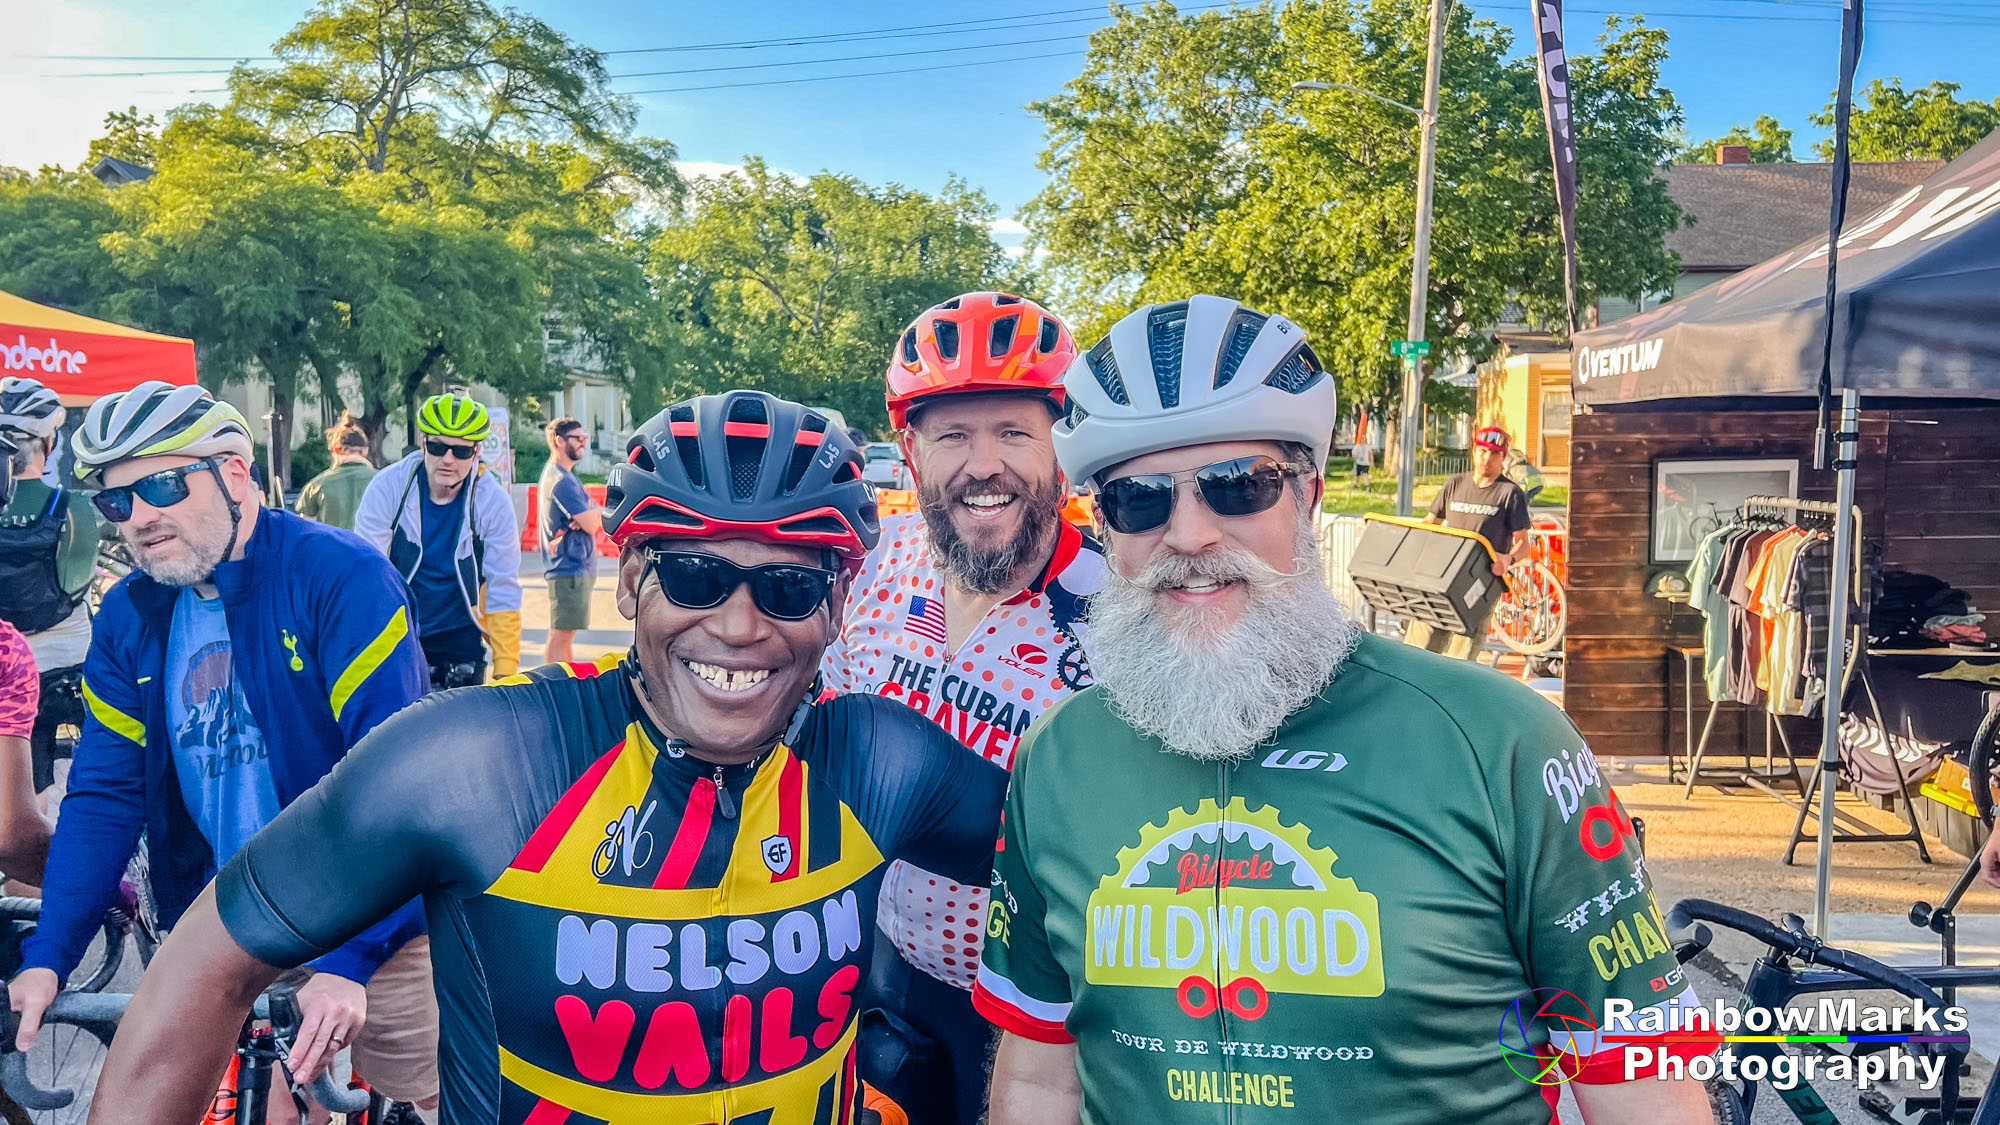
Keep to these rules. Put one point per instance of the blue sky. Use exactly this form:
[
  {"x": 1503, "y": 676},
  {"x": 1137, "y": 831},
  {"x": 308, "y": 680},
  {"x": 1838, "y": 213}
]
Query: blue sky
[{"x": 1731, "y": 59}]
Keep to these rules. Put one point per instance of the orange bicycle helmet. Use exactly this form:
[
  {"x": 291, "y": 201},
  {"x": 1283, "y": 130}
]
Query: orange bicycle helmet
[{"x": 979, "y": 342}]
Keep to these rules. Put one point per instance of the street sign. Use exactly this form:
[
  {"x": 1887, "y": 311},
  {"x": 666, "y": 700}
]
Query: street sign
[{"x": 1409, "y": 347}]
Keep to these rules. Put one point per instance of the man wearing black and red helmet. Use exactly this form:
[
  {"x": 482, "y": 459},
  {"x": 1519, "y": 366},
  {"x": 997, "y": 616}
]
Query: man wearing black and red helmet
[
  {"x": 970, "y": 612},
  {"x": 650, "y": 881}
]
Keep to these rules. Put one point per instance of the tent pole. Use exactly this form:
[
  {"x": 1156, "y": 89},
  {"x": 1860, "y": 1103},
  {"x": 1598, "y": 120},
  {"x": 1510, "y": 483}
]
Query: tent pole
[{"x": 1844, "y": 554}]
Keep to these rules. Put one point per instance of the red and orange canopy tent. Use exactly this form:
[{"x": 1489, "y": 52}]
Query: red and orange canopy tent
[{"x": 83, "y": 359}]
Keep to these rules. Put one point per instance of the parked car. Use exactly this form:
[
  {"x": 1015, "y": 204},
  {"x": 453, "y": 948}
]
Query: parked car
[{"x": 885, "y": 467}]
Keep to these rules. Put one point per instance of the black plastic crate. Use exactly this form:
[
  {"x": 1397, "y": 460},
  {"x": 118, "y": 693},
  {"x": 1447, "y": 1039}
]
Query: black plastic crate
[{"x": 1436, "y": 575}]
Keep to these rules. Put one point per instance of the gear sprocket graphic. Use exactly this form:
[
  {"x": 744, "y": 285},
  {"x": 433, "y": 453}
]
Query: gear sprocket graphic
[{"x": 1317, "y": 862}]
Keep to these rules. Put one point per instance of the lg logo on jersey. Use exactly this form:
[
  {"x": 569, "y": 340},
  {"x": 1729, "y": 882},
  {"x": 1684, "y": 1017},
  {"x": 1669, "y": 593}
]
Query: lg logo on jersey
[{"x": 1283, "y": 759}]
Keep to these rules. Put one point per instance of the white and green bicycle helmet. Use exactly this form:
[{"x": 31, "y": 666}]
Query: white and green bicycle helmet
[
  {"x": 156, "y": 418},
  {"x": 1191, "y": 372}
]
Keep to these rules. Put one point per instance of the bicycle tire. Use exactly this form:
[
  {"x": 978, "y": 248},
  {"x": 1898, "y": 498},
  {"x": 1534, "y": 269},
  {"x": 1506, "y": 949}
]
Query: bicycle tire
[
  {"x": 1548, "y": 608},
  {"x": 1726, "y": 1103},
  {"x": 1979, "y": 765},
  {"x": 69, "y": 1055},
  {"x": 93, "y": 975}
]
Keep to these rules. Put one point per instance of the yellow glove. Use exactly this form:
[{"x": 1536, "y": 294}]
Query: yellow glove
[{"x": 503, "y": 636}]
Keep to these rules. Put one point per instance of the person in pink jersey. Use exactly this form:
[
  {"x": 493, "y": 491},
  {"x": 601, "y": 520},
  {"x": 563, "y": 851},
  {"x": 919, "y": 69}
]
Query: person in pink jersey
[{"x": 971, "y": 611}]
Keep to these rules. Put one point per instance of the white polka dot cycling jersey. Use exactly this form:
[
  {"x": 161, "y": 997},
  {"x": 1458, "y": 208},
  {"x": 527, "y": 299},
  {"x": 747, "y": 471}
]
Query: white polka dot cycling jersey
[{"x": 1026, "y": 656}]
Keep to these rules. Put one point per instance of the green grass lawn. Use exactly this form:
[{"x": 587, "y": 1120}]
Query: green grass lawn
[{"x": 1345, "y": 497}]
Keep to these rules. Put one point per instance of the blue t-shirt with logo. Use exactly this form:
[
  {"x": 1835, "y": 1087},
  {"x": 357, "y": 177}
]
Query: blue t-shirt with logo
[
  {"x": 563, "y": 497},
  {"x": 219, "y": 751},
  {"x": 434, "y": 587}
]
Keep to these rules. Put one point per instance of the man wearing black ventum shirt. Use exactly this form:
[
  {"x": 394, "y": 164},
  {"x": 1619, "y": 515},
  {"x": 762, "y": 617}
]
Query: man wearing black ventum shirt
[{"x": 1485, "y": 501}]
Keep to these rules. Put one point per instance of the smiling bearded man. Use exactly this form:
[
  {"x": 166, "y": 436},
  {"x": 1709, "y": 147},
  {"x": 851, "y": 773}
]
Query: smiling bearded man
[
  {"x": 971, "y": 612},
  {"x": 1266, "y": 828},
  {"x": 1285, "y": 645}
]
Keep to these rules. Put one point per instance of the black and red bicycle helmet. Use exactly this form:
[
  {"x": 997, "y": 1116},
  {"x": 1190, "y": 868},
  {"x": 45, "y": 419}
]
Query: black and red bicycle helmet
[{"x": 743, "y": 464}]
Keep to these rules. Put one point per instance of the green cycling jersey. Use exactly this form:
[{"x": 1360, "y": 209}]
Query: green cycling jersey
[{"x": 1342, "y": 919}]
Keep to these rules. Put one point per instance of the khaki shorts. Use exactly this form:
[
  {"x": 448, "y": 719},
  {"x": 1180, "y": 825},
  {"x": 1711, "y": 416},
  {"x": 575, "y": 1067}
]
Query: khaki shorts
[
  {"x": 569, "y": 601},
  {"x": 397, "y": 1049}
]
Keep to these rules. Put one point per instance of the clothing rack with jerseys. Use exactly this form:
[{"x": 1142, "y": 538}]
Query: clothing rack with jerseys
[{"x": 1763, "y": 583}]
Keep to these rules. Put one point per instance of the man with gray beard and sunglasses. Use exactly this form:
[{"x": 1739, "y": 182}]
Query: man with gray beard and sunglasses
[
  {"x": 969, "y": 611},
  {"x": 1271, "y": 868}
]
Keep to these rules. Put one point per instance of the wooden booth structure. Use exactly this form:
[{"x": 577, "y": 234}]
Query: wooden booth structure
[{"x": 1692, "y": 407}]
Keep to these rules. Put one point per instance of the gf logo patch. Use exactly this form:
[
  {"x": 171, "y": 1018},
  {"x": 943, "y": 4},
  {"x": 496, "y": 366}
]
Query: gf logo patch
[{"x": 778, "y": 854}]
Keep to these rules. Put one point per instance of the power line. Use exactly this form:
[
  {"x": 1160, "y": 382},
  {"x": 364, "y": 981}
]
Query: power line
[
  {"x": 1046, "y": 39},
  {"x": 961, "y": 26},
  {"x": 858, "y": 74},
  {"x": 1088, "y": 14}
]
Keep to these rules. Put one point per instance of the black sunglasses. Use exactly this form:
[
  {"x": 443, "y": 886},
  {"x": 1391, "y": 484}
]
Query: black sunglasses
[
  {"x": 438, "y": 448},
  {"x": 1240, "y": 486},
  {"x": 783, "y": 591},
  {"x": 163, "y": 489}
]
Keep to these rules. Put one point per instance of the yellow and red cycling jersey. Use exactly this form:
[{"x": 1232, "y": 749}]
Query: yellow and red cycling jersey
[{"x": 621, "y": 931}]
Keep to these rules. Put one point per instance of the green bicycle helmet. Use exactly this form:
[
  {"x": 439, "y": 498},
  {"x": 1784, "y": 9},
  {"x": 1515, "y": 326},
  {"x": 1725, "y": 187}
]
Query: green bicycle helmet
[{"x": 453, "y": 415}]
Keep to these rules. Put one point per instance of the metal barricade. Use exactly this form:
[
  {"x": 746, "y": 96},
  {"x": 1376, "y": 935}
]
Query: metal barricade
[{"x": 1338, "y": 535}]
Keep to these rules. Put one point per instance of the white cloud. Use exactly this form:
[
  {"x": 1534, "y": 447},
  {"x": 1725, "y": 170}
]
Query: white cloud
[
  {"x": 52, "y": 119},
  {"x": 1005, "y": 228}
]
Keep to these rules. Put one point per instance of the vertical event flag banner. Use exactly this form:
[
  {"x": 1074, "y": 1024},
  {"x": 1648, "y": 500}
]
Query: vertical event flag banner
[
  {"x": 1554, "y": 70},
  {"x": 1843, "y": 108}
]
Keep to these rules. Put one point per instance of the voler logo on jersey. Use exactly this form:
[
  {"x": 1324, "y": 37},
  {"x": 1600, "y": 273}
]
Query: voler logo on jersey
[
  {"x": 1286, "y": 923},
  {"x": 1027, "y": 658}
]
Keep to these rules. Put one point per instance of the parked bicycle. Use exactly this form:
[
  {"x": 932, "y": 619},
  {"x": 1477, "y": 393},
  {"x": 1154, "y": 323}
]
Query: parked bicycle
[
  {"x": 68, "y": 1048},
  {"x": 1798, "y": 964},
  {"x": 245, "y": 1095}
]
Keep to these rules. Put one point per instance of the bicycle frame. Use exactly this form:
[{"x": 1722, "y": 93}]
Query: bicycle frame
[{"x": 1773, "y": 983}]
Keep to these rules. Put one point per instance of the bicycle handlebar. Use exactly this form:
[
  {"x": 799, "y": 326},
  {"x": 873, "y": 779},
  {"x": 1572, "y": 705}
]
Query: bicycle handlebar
[
  {"x": 1803, "y": 946},
  {"x": 85, "y": 1008}
]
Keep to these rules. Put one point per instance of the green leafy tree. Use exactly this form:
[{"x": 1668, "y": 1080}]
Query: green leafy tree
[
  {"x": 799, "y": 287},
  {"x": 1768, "y": 142},
  {"x": 51, "y": 226},
  {"x": 129, "y": 136},
  {"x": 1890, "y": 123},
  {"x": 260, "y": 267},
  {"x": 1180, "y": 161},
  {"x": 502, "y": 126}
]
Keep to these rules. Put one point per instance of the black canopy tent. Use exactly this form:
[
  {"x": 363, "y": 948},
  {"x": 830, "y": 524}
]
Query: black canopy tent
[{"x": 1916, "y": 315}]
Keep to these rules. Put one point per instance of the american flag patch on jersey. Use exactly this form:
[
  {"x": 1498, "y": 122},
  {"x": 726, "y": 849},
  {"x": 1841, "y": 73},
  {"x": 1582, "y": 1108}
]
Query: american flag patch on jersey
[{"x": 926, "y": 618}]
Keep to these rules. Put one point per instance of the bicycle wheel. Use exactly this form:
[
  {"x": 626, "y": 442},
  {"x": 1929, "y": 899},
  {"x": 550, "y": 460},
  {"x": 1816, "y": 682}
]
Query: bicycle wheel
[
  {"x": 1979, "y": 764},
  {"x": 101, "y": 961},
  {"x": 68, "y": 1056},
  {"x": 1530, "y": 616}
]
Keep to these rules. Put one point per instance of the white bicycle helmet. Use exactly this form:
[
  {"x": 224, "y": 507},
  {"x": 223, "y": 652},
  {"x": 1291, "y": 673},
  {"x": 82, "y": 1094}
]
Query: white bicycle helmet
[
  {"x": 1191, "y": 372},
  {"x": 155, "y": 418},
  {"x": 28, "y": 408}
]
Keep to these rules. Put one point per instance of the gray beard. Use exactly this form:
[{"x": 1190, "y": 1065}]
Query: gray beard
[
  {"x": 1214, "y": 693},
  {"x": 197, "y": 567},
  {"x": 207, "y": 537}
]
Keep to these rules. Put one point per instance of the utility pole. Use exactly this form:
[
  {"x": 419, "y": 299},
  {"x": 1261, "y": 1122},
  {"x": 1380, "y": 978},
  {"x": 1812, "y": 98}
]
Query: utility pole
[{"x": 1420, "y": 269}]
